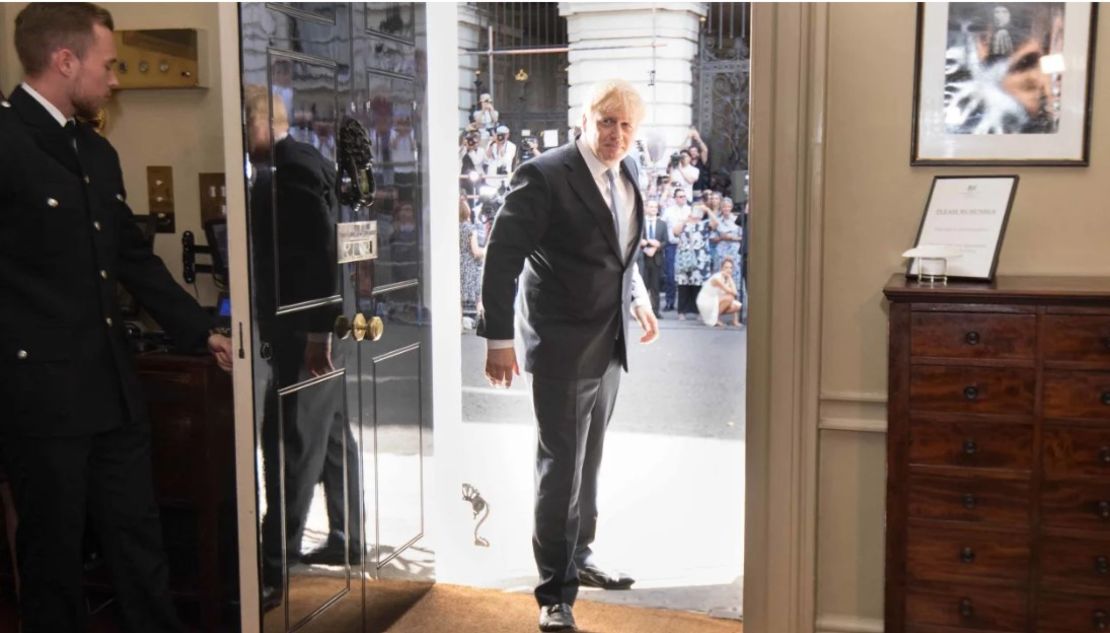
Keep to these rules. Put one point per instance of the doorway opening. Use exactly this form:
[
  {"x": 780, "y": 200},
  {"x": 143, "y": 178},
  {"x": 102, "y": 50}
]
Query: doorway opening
[{"x": 671, "y": 492}]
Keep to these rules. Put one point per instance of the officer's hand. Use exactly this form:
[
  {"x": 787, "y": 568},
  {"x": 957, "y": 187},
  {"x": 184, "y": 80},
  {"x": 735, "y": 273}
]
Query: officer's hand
[
  {"x": 220, "y": 346},
  {"x": 648, "y": 323},
  {"x": 501, "y": 367},
  {"x": 317, "y": 357}
]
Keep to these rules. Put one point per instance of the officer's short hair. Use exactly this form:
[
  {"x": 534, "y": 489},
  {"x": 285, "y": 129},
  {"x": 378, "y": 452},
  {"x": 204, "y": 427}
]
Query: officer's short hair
[{"x": 44, "y": 27}]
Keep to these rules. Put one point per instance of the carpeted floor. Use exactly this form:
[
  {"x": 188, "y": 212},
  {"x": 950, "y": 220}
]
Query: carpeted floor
[{"x": 404, "y": 607}]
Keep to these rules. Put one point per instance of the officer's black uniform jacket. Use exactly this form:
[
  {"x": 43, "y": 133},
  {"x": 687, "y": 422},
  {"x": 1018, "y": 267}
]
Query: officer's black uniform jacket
[{"x": 66, "y": 238}]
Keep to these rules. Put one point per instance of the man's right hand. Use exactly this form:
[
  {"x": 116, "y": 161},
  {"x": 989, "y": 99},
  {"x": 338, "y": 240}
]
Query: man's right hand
[{"x": 501, "y": 367}]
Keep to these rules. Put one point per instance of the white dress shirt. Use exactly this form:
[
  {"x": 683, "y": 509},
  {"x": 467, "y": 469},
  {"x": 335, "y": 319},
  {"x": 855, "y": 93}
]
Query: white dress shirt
[
  {"x": 625, "y": 236},
  {"x": 54, "y": 112}
]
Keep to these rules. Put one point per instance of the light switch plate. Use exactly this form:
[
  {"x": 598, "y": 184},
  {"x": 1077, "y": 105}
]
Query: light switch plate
[
  {"x": 213, "y": 196},
  {"x": 159, "y": 187}
]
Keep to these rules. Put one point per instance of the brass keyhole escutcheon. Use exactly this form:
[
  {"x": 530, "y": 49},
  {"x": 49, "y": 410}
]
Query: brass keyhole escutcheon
[
  {"x": 359, "y": 327},
  {"x": 377, "y": 328}
]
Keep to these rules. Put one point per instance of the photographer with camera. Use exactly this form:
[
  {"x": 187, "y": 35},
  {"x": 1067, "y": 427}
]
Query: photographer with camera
[
  {"x": 500, "y": 155},
  {"x": 485, "y": 116},
  {"x": 682, "y": 173},
  {"x": 531, "y": 147},
  {"x": 699, "y": 157}
]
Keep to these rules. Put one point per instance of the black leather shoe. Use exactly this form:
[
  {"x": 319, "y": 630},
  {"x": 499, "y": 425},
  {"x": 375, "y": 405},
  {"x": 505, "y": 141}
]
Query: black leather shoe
[
  {"x": 332, "y": 554},
  {"x": 271, "y": 597},
  {"x": 591, "y": 576},
  {"x": 557, "y": 617}
]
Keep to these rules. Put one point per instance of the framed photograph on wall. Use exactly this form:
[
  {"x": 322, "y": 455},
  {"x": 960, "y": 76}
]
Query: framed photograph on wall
[
  {"x": 1003, "y": 83},
  {"x": 966, "y": 217}
]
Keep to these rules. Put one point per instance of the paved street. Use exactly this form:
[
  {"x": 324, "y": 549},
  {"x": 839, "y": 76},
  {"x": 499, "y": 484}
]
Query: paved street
[{"x": 690, "y": 382}]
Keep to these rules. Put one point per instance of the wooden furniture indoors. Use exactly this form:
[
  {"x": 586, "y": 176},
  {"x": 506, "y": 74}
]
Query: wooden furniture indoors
[{"x": 998, "y": 456}]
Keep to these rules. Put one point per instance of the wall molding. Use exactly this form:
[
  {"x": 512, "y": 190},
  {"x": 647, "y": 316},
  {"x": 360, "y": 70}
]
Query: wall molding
[
  {"x": 860, "y": 425},
  {"x": 842, "y": 623},
  {"x": 854, "y": 396}
]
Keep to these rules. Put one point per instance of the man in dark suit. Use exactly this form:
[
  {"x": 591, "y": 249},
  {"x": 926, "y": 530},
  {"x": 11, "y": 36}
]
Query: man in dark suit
[
  {"x": 651, "y": 253},
  {"x": 76, "y": 437},
  {"x": 293, "y": 215},
  {"x": 568, "y": 234}
]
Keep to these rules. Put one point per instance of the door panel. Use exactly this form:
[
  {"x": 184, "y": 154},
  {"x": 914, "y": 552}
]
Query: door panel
[{"x": 342, "y": 426}]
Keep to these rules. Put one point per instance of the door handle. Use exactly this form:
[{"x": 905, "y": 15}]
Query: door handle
[{"x": 360, "y": 327}]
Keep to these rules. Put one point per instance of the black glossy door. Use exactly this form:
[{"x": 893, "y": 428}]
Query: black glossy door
[{"x": 340, "y": 325}]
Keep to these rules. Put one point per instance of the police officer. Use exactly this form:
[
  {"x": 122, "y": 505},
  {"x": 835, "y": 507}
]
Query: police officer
[{"x": 76, "y": 438}]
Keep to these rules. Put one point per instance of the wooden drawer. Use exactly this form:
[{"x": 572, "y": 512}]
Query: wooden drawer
[
  {"x": 971, "y": 500},
  {"x": 1077, "y": 338},
  {"x": 1073, "y": 452},
  {"x": 1077, "y": 394},
  {"x": 972, "y": 389},
  {"x": 957, "y": 555},
  {"x": 1076, "y": 506},
  {"x": 969, "y": 335},
  {"x": 971, "y": 445},
  {"x": 975, "y": 608},
  {"x": 1060, "y": 613},
  {"x": 1079, "y": 563}
]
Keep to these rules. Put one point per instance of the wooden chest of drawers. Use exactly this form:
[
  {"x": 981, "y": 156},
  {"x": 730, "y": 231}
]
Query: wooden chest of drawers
[{"x": 998, "y": 456}]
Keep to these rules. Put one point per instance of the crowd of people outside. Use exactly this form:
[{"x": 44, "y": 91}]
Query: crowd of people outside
[{"x": 693, "y": 249}]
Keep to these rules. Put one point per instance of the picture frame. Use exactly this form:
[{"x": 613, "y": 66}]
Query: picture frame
[
  {"x": 967, "y": 214},
  {"x": 1003, "y": 83}
]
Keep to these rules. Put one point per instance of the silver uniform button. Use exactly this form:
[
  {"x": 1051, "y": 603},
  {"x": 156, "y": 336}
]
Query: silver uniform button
[
  {"x": 51, "y": 202},
  {"x": 87, "y": 180},
  {"x": 5, "y": 104},
  {"x": 21, "y": 354},
  {"x": 96, "y": 224},
  {"x": 119, "y": 196},
  {"x": 108, "y": 320},
  {"x": 103, "y": 274}
]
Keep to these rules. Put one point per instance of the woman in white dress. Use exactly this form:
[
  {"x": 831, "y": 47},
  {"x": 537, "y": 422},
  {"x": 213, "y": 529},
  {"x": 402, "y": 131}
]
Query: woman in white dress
[{"x": 718, "y": 296}]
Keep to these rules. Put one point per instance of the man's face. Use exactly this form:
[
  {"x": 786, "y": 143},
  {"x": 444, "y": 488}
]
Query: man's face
[
  {"x": 726, "y": 207},
  {"x": 609, "y": 134},
  {"x": 651, "y": 209},
  {"x": 680, "y": 199},
  {"x": 95, "y": 77}
]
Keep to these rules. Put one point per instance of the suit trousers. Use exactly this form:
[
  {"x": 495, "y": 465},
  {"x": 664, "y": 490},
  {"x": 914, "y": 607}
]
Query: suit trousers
[
  {"x": 58, "y": 482},
  {"x": 669, "y": 286},
  {"x": 572, "y": 416},
  {"x": 652, "y": 275}
]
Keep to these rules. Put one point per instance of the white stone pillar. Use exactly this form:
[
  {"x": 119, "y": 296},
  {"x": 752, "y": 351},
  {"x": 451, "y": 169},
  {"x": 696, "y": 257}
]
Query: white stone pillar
[{"x": 629, "y": 41}]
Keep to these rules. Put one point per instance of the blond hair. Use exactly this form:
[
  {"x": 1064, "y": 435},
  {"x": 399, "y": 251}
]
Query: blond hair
[
  {"x": 257, "y": 100},
  {"x": 615, "y": 95}
]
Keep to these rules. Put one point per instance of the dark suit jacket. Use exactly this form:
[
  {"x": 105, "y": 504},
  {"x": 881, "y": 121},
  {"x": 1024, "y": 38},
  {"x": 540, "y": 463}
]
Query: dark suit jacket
[
  {"x": 554, "y": 236},
  {"x": 66, "y": 237},
  {"x": 660, "y": 236},
  {"x": 303, "y": 268}
]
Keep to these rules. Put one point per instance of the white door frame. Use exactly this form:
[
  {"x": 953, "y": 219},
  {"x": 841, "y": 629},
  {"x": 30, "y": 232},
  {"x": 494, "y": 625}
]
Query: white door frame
[{"x": 786, "y": 181}]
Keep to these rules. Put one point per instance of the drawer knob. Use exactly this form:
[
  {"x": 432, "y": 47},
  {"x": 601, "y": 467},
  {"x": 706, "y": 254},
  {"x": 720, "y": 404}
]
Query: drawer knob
[
  {"x": 1103, "y": 510},
  {"x": 1105, "y": 397},
  {"x": 970, "y": 447},
  {"x": 967, "y": 610},
  {"x": 1104, "y": 455},
  {"x": 969, "y": 501},
  {"x": 1102, "y": 565},
  {"x": 967, "y": 555},
  {"x": 972, "y": 338},
  {"x": 1099, "y": 620},
  {"x": 971, "y": 393}
]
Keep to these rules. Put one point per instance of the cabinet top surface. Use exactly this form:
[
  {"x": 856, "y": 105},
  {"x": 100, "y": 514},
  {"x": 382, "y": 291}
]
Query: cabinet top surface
[{"x": 1003, "y": 288}]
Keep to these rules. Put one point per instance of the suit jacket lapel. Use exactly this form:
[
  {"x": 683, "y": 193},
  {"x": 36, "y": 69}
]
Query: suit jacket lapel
[
  {"x": 50, "y": 136},
  {"x": 582, "y": 182}
]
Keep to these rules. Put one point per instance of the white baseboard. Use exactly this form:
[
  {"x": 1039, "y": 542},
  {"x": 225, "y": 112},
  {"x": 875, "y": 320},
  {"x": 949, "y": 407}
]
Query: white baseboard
[{"x": 840, "y": 623}]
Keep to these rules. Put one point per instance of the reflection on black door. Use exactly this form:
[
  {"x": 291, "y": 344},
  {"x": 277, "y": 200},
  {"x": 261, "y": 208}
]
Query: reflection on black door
[{"x": 340, "y": 325}]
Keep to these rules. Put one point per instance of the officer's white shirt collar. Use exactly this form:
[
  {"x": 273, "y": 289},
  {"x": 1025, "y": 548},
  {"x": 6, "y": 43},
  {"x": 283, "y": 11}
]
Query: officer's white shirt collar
[
  {"x": 596, "y": 167},
  {"x": 54, "y": 112}
]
